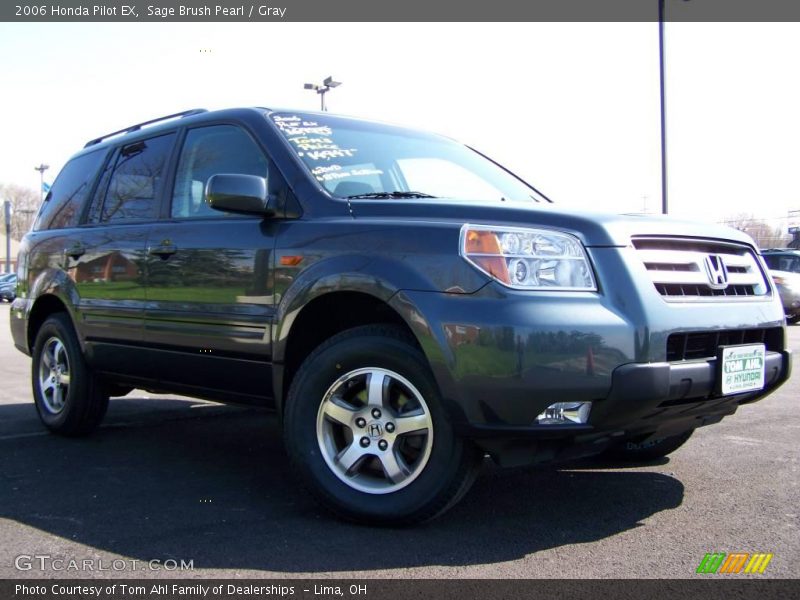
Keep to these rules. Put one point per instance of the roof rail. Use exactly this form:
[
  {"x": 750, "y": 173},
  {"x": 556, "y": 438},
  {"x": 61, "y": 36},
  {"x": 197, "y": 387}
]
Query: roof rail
[{"x": 138, "y": 126}]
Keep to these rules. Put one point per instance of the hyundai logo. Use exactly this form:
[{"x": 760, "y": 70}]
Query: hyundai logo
[{"x": 717, "y": 272}]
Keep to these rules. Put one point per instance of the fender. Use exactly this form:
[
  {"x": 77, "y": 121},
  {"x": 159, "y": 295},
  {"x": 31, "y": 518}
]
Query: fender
[
  {"x": 384, "y": 279},
  {"x": 379, "y": 277},
  {"x": 55, "y": 283}
]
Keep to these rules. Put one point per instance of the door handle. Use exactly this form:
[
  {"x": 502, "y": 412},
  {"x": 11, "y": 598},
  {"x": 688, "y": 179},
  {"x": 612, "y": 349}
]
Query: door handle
[
  {"x": 163, "y": 251},
  {"x": 75, "y": 251}
]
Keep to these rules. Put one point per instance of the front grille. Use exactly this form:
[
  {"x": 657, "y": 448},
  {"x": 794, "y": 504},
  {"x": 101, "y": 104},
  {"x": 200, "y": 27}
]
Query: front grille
[
  {"x": 704, "y": 344},
  {"x": 678, "y": 289},
  {"x": 686, "y": 269}
]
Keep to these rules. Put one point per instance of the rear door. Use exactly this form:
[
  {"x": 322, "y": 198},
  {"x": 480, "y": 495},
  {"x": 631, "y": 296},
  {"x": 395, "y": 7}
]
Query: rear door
[
  {"x": 210, "y": 291},
  {"x": 107, "y": 263},
  {"x": 50, "y": 268}
]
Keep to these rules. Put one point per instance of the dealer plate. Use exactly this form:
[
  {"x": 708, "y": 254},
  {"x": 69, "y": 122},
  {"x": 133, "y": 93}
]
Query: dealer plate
[{"x": 741, "y": 368}]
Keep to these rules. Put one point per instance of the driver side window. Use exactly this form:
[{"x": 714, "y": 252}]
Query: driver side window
[{"x": 208, "y": 151}]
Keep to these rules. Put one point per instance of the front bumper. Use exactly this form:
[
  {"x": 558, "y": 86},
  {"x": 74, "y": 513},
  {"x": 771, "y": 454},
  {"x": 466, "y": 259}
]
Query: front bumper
[
  {"x": 646, "y": 401},
  {"x": 500, "y": 358},
  {"x": 663, "y": 398}
]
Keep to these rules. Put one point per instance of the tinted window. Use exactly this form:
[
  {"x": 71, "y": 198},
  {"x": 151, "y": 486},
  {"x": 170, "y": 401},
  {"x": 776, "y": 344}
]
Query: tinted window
[
  {"x": 63, "y": 204},
  {"x": 138, "y": 173},
  {"x": 206, "y": 152}
]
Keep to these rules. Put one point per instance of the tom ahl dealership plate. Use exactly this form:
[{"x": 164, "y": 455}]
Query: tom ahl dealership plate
[{"x": 741, "y": 368}]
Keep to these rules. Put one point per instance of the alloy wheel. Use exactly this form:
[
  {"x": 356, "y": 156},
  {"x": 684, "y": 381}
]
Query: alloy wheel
[
  {"x": 374, "y": 430},
  {"x": 54, "y": 375}
]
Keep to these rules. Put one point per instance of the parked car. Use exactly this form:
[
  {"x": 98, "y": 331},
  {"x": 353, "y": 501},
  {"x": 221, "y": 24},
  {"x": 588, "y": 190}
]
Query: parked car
[
  {"x": 406, "y": 304},
  {"x": 8, "y": 287},
  {"x": 782, "y": 259},
  {"x": 788, "y": 285},
  {"x": 784, "y": 264}
]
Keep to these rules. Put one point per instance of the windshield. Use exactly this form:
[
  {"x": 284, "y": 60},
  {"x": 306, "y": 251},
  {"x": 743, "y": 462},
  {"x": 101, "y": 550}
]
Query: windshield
[{"x": 358, "y": 159}]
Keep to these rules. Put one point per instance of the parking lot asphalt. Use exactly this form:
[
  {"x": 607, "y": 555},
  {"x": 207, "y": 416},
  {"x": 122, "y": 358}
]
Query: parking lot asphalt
[{"x": 168, "y": 478}]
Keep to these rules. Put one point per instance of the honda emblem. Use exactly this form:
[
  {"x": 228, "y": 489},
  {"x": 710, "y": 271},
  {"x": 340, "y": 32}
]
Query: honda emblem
[{"x": 717, "y": 272}]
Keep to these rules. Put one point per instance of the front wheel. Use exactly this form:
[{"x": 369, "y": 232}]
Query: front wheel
[
  {"x": 69, "y": 398},
  {"x": 366, "y": 431}
]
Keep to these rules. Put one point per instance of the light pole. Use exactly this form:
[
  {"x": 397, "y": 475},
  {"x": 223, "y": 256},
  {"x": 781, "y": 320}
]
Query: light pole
[
  {"x": 327, "y": 85},
  {"x": 664, "y": 204},
  {"x": 7, "y": 210},
  {"x": 41, "y": 168}
]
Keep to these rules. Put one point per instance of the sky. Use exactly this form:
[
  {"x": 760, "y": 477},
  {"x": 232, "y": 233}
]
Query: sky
[{"x": 571, "y": 107}]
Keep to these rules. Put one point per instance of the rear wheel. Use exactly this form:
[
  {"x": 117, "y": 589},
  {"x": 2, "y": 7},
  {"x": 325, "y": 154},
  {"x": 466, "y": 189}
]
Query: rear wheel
[
  {"x": 645, "y": 451},
  {"x": 365, "y": 429},
  {"x": 69, "y": 398}
]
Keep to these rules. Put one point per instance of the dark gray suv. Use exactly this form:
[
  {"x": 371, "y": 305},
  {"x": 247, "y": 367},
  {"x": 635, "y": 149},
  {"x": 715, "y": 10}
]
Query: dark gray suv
[{"x": 406, "y": 304}]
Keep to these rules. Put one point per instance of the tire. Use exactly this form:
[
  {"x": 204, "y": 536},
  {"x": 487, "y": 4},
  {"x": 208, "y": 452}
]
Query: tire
[
  {"x": 633, "y": 451},
  {"x": 69, "y": 398},
  {"x": 404, "y": 463}
]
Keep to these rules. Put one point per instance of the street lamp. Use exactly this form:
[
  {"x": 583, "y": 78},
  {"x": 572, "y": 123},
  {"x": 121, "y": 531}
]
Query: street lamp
[
  {"x": 664, "y": 204},
  {"x": 8, "y": 210},
  {"x": 327, "y": 85},
  {"x": 41, "y": 168}
]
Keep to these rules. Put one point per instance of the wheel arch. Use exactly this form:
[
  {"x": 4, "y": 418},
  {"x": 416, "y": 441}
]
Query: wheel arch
[
  {"x": 320, "y": 317},
  {"x": 43, "y": 307}
]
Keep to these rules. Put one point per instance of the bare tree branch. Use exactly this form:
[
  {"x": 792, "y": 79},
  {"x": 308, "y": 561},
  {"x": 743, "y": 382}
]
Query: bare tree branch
[
  {"x": 764, "y": 234},
  {"x": 25, "y": 202}
]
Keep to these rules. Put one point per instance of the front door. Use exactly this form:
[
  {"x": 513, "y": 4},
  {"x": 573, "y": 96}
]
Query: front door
[{"x": 209, "y": 286}]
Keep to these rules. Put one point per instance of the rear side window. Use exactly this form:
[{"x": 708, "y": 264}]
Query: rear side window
[
  {"x": 63, "y": 205},
  {"x": 208, "y": 151},
  {"x": 133, "y": 190}
]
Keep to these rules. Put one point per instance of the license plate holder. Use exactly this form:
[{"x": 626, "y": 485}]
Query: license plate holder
[{"x": 740, "y": 369}]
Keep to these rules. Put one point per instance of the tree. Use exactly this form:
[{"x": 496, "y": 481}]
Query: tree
[
  {"x": 25, "y": 203},
  {"x": 764, "y": 234}
]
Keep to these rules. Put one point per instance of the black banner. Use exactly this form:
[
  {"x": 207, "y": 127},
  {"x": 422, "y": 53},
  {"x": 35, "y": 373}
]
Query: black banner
[
  {"x": 408, "y": 10},
  {"x": 396, "y": 589}
]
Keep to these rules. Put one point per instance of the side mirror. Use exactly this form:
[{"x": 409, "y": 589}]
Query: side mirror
[{"x": 237, "y": 193}]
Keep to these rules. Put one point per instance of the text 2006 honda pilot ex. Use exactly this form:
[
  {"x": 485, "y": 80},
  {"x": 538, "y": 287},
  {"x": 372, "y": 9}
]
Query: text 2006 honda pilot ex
[{"x": 405, "y": 303}]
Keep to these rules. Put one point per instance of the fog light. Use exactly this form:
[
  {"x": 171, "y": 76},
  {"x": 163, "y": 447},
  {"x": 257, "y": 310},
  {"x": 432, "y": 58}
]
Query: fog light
[{"x": 564, "y": 413}]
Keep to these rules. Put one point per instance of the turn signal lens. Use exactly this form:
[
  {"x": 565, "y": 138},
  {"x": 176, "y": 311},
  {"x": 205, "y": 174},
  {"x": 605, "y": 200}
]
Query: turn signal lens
[
  {"x": 529, "y": 259},
  {"x": 485, "y": 248}
]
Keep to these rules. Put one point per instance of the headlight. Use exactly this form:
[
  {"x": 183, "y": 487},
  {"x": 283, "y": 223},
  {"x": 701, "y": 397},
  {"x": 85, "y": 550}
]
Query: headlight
[{"x": 528, "y": 259}]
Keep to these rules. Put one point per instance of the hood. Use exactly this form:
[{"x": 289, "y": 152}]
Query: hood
[{"x": 594, "y": 229}]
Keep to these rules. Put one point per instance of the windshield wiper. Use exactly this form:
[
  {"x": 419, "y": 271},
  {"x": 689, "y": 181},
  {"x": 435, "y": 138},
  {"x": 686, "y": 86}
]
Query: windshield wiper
[{"x": 394, "y": 194}]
